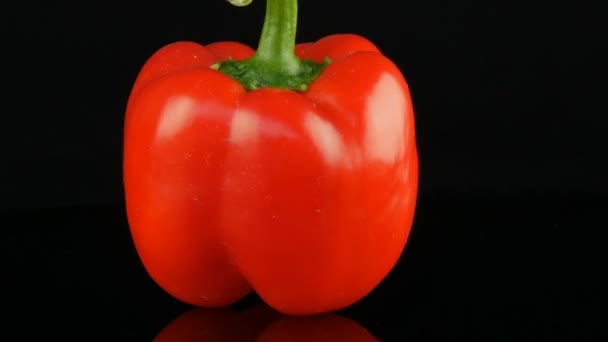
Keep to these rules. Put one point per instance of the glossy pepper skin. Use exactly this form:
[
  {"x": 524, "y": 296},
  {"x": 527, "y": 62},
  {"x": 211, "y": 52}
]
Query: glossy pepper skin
[{"x": 305, "y": 196}]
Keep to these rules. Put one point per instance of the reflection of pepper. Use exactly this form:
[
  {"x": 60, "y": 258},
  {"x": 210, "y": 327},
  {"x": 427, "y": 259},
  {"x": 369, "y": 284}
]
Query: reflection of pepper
[
  {"x": 294, "y": 175},
  {"x": 320, "y": 328},
  {"x": 260, "y": 324},
  {"x": 218, "y": 325}
]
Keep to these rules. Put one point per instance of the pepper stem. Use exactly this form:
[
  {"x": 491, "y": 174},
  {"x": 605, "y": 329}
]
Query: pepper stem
[
  {"x": 278, "y": 40},
  {"x": 274, "y": 63},
  {"x": 240, "y": 3}
]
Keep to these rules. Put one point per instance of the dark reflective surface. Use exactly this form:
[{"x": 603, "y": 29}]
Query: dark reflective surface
[
  {"x": 261, "y": 324},
  {"x": 226, "y": 324},
  {"x": 497, "y": 265}
]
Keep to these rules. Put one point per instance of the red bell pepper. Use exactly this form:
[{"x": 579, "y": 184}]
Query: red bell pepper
[{"x": 291, "y": 170}]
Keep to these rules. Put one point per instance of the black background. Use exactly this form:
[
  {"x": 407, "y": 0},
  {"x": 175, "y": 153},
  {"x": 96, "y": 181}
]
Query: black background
[{"x": 510, "y": 135}]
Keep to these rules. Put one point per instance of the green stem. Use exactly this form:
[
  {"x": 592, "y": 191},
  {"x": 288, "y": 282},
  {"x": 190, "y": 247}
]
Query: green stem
[
  {"x": 278, "y": 40},
  {"x": 275, "y": 63}
]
